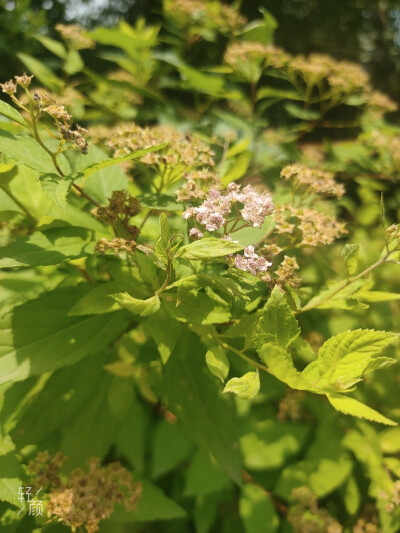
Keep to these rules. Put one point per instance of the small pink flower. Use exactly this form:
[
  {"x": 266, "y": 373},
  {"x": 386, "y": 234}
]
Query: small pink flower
[
  {"x": 251, "y": 262},
  {"x": 195, "y": 233}
]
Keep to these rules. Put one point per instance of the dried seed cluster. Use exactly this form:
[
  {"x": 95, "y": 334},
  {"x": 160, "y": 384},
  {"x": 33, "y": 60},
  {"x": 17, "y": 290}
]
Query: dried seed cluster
[
  {"x": 318, "y": 181},
  {"x": 121, "y": 207},
  {"x": 76, "y": 35},
  {"x": 84, "y": 498}
]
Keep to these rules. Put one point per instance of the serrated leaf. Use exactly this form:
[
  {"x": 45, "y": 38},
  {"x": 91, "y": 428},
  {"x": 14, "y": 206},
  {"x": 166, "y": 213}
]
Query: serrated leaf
[
  {"x": 247, "y": 386},
  {"x": 338, "y": 296},
  {"x": 40, "y": 336},
  {"x": 194, "y": 397},
  {"x": 208, "y": 248},
  {"x": 280, "y": 364},
  {"x": 10, "y": 112},
  {"x": 350, "y": 406},
  {"x": 342, "y": 359},
  {"x": 350, "y": 255},
  {"x": 11, "y": 472},
  {"x": 137, "y": 154},
  {"x": 136, "y": 306},
  {"x": 217, "y": 362},
  {"x": 48, "y": 247},
  {"x": 278, "y": 324},
  {"x": 162, "y": 244},
  {"x": 56, "y": 188},
  {"x": 27, "y": 151}
]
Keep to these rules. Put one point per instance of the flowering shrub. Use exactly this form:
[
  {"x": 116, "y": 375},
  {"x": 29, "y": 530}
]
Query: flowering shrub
[{"x": 200, "y": 298}]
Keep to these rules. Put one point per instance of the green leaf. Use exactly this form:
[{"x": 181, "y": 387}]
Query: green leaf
[
  {"x": 280, "y": 364},
  {"x": 170, "y": 448},
  {"x": 273, "y": 92},
  {"x": 48, "y": 247},
  {"x": 260, "y": 30},
  {"x": 343, "y": 359},
  {"x": 40, "y": 336},
  {"x": 163, "y": 242},
  {"x": 56, "y": 188},
  {"x": 101, "y": 184},
  {"x": 235, "y": 168},
  {"x": 389, "y": 440},
  {"x": 54, "y": 46},
  {"x": 91, "y": 432},
  {"x": 338, "y": 296},
  {"x": 257, "y": 510},
  {"x": 41, "y": 72},
  {"x": 217, "y": 362},
  {"x": 203, "y": 476},
  {"x": 278, "y": 324},
  {"x": 160, "y": 202},
  {"x": 301, "y": 113},
  {"x": 246, "y": 386},
  {"x": 269, "y": 444},
  {"x": 350, "y": 255},
  {"x": 136, "y": 306},
  {"x": 11, "y": 473},
  {"x": 208, "y": 248},
  {"x": 194, "y": 397},
  {"x": 73, "y": 62},
  {"x": 10, "y": 112},
  {"x": 96, "y": 300},
  {"x": 27, "y": 151},
  {"x": 153, "y": 505},
  {"x": 165, "y": 331},
  {"x": 350, "y": 406},
  {"x": 137, "y": 154}
]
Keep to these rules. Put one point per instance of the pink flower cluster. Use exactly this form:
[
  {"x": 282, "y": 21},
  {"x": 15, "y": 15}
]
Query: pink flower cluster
[
  {"x": 251, "y": 262},
  {"x": 213, "y": 212}
]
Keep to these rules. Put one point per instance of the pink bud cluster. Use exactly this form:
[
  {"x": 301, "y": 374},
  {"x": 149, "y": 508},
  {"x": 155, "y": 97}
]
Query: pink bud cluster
[
  {"x": 251, "y": 262},
  {"x": 213, "y": 212}
]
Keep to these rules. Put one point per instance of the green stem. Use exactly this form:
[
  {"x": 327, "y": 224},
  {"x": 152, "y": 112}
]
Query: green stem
[
  {"x": 20, "y": 205},
  {"x": 346, "y": 284},
  {"x": 239, "y": 353},
  {"x": 53, "y": 155}
]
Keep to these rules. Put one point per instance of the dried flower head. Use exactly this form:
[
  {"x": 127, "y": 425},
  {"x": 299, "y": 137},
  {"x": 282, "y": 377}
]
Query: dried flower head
[
  {"x": 196, "y": 184},
  {"x": 58, "y": 112},
  {"x": 116, "y": 245},
  {"x": 183, "y": 149},
  {"x": 9, "y": 87},
  {"x": 315, "y": 227},
  {"x": 76, "y": 35},
  {"x": 381, "y": 103},
  {"x": 306, "y": 517},
  {"x": 318, "y": 181},
  {"x": 86, "y": 498},
  {"x": 24, "y": 80},
  {"x": 286, "y": 272}
]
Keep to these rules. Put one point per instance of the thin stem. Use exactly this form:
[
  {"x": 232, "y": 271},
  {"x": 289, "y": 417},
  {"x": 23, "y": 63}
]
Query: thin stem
[
  {"x": 346, "y": 284},
  {"x": 53, "y": 155},
  {"x": 149, "y": 213},
  {"x": 239, "y": 353},
  {"x": 19, "y": 204}
]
